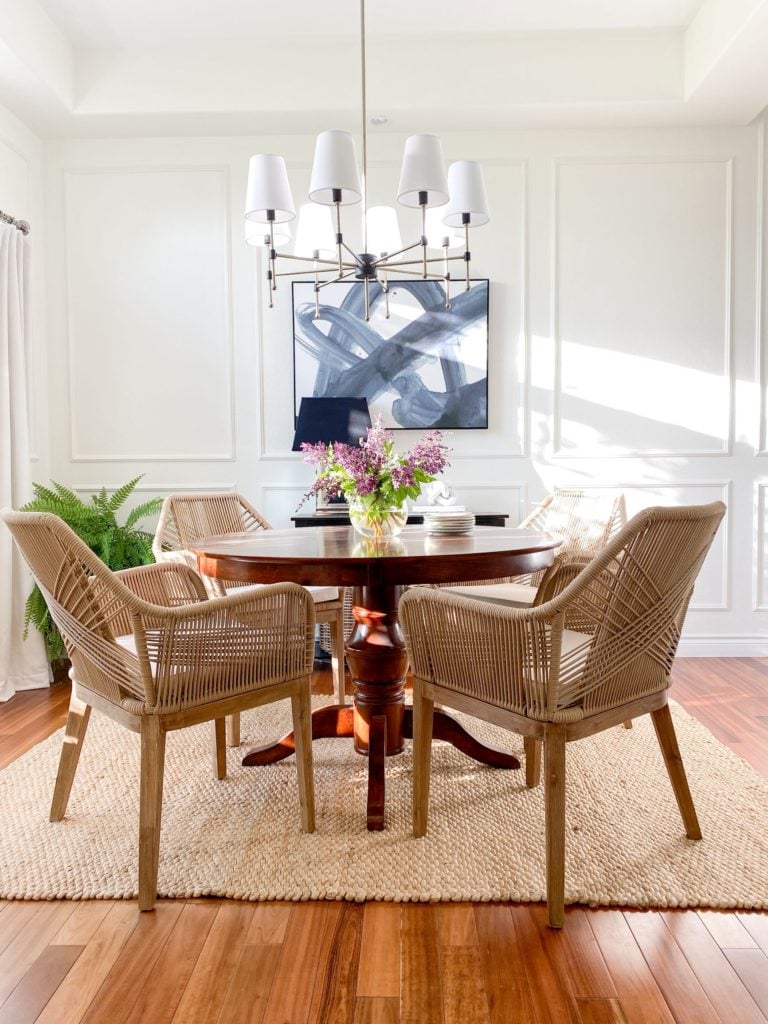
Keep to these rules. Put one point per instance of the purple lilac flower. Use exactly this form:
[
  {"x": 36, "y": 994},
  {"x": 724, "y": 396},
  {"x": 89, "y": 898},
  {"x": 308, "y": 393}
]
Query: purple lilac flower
[
  {"x": 378, "y": 438},
  {"x": 402, "y": 476},
  {"x": 429, "y": 453},
  {"x": 373, "y": 467},
  {"x": 314, "y": 454}
]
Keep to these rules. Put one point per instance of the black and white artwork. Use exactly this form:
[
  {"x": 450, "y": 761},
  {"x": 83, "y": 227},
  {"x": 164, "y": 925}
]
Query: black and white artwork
[{"x": 426, "y": 366}]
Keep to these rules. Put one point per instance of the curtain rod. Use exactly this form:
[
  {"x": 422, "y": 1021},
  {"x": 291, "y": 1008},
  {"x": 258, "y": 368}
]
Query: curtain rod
[{"x": 22, "y": 225}]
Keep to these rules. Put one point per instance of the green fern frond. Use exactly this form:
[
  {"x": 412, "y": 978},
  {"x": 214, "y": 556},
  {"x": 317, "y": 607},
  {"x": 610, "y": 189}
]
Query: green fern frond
[
  {"x": 148, "y": 508},
  {"x": 119, "y": 546},
  {"x": 145, "y": 547},
  {"x": 45, "y": 500},
  {"x": 105, "y": 549},
  {"x": 122, "y": 494},
  {"x": 66, "y": 494},
  {"x": 100, "y": 500},
  {"x": 36, "y": 613},
  {"x": 35, "y": 610}
]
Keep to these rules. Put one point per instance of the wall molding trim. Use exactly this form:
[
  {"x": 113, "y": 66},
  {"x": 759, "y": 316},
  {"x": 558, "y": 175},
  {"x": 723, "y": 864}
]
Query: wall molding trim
[
  {"x": 228, "y": 455},
  {"x": 167, "y": 488},
  {"x": 725, "y": 646},
  {"x": 761, "y": 266},
  {"x": 759, "y": 597},
  {"x": 728, "y": 362}
]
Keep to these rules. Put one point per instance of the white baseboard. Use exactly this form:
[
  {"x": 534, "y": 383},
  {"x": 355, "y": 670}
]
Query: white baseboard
[{"x": 723, "y": 647}]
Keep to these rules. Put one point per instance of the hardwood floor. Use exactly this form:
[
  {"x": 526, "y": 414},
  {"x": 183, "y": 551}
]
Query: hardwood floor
[{"x": 201, "y": 961}]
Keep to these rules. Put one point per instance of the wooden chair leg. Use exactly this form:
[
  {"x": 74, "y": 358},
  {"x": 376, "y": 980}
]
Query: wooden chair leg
[
  {"x": 665, "y": 733},
  {"x": 628, "y": 724},
  {"x": 532, "y": 761},
  {"x": 77, "y": 723},
  {"x": 423, "y": 717},
  {"x": 233, "y": 730},
  {"x": 336, "y": 626},
  {"x": 554, "y": 810},
  {"x": 301, "y": 706},
  {"x": 219, "y": 748},
  {"x": 150, "y": 808}
]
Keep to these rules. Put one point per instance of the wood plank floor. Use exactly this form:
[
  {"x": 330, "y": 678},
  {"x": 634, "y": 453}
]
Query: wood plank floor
[{"x": 201, "y": 961}]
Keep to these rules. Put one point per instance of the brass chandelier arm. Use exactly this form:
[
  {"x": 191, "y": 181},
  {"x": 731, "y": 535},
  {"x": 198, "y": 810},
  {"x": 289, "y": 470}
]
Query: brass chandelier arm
[
  {"x": 336, "y": 280},
  {"x": 352, "y": 253},
  {"x": 431, "y": 276},
  {"x": 407, "y": 263},
  {"x": 392, "y": 255},
  {"x": 307, "y": 259},
  {"x": 300, "y": 273}
]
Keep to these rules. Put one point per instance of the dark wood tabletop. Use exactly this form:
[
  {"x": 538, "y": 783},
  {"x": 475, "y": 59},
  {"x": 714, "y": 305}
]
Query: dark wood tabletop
[
  {"x": 338, "y": 555},
  {"x": 341, "y": 518}
]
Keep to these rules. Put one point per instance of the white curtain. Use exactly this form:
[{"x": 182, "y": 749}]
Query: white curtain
[{"x": 23, "y": 664}]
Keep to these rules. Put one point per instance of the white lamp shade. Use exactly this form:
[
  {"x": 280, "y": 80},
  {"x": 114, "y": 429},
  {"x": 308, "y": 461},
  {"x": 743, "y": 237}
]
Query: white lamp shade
[
  {"x": 467, "y": 195},
  {"x": 268, "y": 189},
  {"x": 314, "y": 232},
  {"x": 383, "y": 230},
  {"x": 258, "y": 234},
  {"x": 335, "y": 167},
  {"x": 437, "y": 232},
  {"x": 423, "y": 170}
]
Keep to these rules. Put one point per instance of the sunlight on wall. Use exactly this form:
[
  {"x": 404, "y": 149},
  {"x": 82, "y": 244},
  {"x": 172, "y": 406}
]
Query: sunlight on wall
[{"x": 616, "y": 383}]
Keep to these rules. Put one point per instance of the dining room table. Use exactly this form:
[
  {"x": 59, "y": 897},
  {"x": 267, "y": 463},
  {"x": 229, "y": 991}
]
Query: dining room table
[{"x": 378, "y": 719}]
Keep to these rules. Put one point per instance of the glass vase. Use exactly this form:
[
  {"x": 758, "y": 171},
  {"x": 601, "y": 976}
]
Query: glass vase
[{"x": 377, "y": 521}]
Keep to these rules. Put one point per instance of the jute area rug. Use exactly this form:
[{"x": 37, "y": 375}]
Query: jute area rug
[{"x": 240, "y": 837}]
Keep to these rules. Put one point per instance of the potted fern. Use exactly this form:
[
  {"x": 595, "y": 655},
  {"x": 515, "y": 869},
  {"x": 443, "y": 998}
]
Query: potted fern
[{"x": 120, "y": 546}]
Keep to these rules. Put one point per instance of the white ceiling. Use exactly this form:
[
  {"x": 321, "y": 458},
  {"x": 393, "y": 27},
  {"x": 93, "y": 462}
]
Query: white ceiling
[
  {"x": 181, "y": 67},
  {"x": 120, "y": 23}
]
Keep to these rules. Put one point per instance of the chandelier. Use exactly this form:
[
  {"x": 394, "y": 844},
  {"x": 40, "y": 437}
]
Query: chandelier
[{"x": 458, "y": 195}]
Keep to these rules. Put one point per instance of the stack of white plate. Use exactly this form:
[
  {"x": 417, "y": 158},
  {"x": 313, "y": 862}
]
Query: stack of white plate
[{"x": 447, "y": 521}]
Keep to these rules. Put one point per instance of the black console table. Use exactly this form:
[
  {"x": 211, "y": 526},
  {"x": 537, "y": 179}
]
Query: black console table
[{"x": 342, "y": 519}]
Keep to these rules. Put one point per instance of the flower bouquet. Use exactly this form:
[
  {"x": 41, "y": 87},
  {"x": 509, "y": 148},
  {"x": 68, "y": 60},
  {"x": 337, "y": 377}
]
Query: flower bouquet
[{"x": 374, "y": 478}]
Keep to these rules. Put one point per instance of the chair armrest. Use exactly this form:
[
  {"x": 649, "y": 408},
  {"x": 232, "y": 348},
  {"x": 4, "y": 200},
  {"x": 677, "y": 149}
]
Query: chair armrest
[
  {"x": 182, "y": 556},
  {"x": 558, "y": 576},
  {"x": 196, "y": 653},
  {"x": 167, "y": 583},
  {"x": 497, "y": 654}
]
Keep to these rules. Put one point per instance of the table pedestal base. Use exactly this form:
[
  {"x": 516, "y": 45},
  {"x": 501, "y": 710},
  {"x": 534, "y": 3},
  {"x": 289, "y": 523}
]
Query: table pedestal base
[
  {"x": 378, "y": 720},
  {"x": 338, "y": 720}
]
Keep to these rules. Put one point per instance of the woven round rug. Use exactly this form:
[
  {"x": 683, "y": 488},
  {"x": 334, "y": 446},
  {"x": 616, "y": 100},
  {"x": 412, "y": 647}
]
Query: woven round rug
[{"x": 240, "y": 837}]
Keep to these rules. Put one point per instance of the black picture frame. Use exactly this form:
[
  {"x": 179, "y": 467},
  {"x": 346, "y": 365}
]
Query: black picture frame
[{"x": 425, "y": 367}]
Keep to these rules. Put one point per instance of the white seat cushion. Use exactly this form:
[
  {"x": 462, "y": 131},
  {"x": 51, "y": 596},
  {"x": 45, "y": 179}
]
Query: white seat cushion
[
  {"x": 319, "y": 594},
  {"x": 572, "y": 641},
  {"x": 516, "y": 594}
]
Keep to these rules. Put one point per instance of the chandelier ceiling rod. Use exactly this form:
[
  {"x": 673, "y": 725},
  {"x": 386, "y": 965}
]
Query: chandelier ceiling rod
[{"x": 364, "y": 105}]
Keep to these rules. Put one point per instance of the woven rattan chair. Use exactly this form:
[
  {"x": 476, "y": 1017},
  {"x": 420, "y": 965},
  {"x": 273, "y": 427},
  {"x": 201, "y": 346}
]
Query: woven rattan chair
[
  {"x": 151, "y": 651},
  {"x": 597, "y": 654},
  {"x": 185, "y": 517},
  {"x": 585, "y": 521}
]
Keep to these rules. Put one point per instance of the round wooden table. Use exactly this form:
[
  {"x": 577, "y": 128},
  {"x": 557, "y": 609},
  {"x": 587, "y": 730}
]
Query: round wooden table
[{"x": 378, "y": 720}]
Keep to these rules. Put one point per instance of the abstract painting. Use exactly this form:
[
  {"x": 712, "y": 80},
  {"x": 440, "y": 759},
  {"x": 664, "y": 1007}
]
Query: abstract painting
[{"x": 426, "y": 366}]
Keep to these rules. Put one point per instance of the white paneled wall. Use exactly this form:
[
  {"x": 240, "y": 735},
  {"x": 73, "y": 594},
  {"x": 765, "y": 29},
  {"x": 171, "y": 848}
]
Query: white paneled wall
[
  {"x": 626, "y": 330},
  {"x": 643, "y": 353},
  {"x": 149, "y": 301}
]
